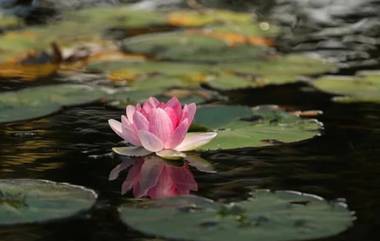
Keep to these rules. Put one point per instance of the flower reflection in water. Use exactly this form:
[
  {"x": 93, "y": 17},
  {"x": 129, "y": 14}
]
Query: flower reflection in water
[{"x": 156, "y": 178}]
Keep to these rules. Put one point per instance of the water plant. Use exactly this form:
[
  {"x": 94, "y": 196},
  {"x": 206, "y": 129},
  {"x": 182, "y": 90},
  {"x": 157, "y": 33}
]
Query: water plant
[{"x": 160, "y": 128}]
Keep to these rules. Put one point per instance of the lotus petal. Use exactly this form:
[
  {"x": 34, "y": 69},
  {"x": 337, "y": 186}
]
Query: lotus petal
[
  {"x": 161, "y": 125},
  {"x": 140, "y": 121},
  {"x": 130, "y": 111},
  {"x": 129, "y": 132},
  {"x": 150, "y": 141},
  {"x": 179, "y": 134},
  {"x": 116, "y": 127},
  {"x": 175, "y": 105},
  {"x": 195, "y": 140},
  {"x": 189, "y": 112}
]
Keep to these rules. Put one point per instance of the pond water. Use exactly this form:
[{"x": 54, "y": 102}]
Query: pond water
[{"x": 74, "y": 145}]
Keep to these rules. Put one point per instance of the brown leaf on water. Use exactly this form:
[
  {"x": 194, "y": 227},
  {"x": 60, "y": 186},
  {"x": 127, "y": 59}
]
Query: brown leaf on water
[
  {"x": 125, "y": 75},
  {"x": 80, "y": 56},
  {"x": 184, "y": 93},
  {"x": 203, "y": 17},
  {"x": 116, "y": 55},
  {"x": 180, "y": 19},
  {"x": 27, "y": 72},
  {"x": 259, "y": 41},
  {"x": 235, "y": 39}
]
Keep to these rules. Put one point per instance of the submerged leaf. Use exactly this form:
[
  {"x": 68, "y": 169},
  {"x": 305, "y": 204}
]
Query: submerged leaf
[{"x": 266, "y": 216}]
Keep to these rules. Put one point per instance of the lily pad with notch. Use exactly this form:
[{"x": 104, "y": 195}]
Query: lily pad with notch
[
  {"x": 241, "y": 127},
  {"x": 265, "y": 216},
  {"x": 34, "y": 201}
]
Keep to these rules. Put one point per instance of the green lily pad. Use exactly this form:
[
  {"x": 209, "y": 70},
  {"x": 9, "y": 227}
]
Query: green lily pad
[
  {"x": 218, "y": 116},
  {"x": 160, "y": 79},
  {"x": 247, "y": 29},
  {"x": 189, "y": 46},
  {"x": 122, "y": 98},
  {"x": 94, "y": 24},
  {"x": 223, "y": 22},
  {"x": 35, "y": 201},
  {"x": 147, "y": 68},
  {"x": 362, "y": 88},
  {"x": 272, "y": 70},
  {"x": 266, "y": 216},
  {"x": 115, "y": 16},
  {"x": 240, "y": 127},
  {"x": 9, "y": 22},
  {"x": 35, "y": 102}
]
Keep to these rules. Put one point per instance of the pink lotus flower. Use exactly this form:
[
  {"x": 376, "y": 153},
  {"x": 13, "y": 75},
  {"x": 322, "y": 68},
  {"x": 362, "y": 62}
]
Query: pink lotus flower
[
  {"x": 155, "y": 178},
  {"x": 159, "y": 127}
]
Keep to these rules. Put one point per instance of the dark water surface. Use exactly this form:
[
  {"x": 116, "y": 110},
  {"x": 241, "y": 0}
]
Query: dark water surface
[{"x": 75, "y": 144}]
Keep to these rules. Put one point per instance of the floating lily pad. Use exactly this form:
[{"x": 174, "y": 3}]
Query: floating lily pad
[
  {"x": 362, "y": 88},
  {"x": 94, "y": 22},
  {"x": 116, "y": 17},
  {"x": 266, "y": 216},
  {"x": 35, "y": 201},
  {"x": 248, "y": 30},
  {"x": 148, "y": 68},
  {"x": 240, "y": 127},
  {"x": 35, "y": 102},
  {"x": 223, "y": 22},
  {"x": 272, "y": 70},
  {"x": 151, "y": 76},
  {"x": 9, "y": 22},
  {"x": 160, "y": 79},
  {"x": 190, "y": 46},
  {"x": 123, "y": 98},
  {"x": 218, "y": 116}
]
